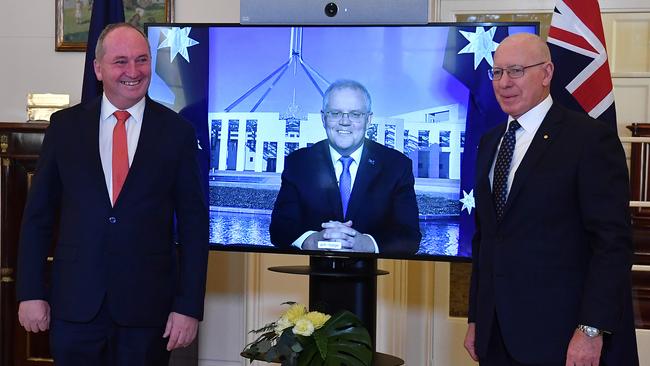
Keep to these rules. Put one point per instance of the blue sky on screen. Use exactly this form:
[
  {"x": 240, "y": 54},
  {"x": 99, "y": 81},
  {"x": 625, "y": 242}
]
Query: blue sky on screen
[{"x": 400, "y": 66}]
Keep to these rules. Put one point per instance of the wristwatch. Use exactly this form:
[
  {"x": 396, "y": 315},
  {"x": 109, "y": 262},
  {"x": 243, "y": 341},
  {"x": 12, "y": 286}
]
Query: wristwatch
[{"x": 590, "y": 331}]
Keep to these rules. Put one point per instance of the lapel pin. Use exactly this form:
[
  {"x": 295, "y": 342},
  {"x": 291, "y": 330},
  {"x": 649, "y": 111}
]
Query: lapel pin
[
  {"x": 545, "y": 137},
  {"x": 371, "y": 161}
]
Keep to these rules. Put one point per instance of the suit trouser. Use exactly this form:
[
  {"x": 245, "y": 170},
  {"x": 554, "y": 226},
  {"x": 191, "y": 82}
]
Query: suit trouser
[
  {"x": 102, "y": 342},
  {"x": 498, "y": 355}
]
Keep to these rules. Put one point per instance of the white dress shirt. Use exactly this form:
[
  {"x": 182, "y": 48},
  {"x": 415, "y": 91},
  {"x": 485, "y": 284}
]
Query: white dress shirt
[
  {"x": 530, "y": 122},
  {"x": 338, "y": 165},
  {"x": 107, "y": 122}
]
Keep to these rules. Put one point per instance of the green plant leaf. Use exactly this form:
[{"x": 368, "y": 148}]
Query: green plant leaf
[
  {"x": 271, "y": 355},
  {"x": 266, "y": 328},
  {"x": 341, "y": 341},
  {"x": 297, "y": 347},
  {"x": 264, "y": 346}
]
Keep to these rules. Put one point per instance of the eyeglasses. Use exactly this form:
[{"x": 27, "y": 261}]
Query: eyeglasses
[
  {"x": 514, "y": 72},
  {"x": 336, "y": 116}
]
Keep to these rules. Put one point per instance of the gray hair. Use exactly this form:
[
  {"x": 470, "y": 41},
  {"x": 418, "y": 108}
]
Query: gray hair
[
  {"x": 99, "y": 48},
  {"x": 347, "y": 84}
]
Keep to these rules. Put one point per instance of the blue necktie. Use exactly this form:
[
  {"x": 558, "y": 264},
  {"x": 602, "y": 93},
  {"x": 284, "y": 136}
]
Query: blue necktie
[
  {"x": 345, "y": 182},
  {"x": 502, "y": 169}
]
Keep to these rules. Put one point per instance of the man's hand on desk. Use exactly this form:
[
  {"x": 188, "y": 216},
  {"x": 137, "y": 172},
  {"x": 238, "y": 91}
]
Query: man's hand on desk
[{"x": 342, "y": 232}]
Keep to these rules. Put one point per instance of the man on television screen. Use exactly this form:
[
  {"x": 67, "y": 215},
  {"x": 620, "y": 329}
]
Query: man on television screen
[
  {"x": 114, "y": 177},
  {"x": 552, "y": 249},
  {"x": 347, "y": 193}
]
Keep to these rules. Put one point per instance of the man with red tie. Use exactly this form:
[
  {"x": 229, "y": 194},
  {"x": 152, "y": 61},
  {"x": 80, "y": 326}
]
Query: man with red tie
[{"x": 116, "y": 178}]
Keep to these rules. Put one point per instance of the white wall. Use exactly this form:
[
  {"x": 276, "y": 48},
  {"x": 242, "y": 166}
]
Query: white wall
[{"x": 29, "y": 63}]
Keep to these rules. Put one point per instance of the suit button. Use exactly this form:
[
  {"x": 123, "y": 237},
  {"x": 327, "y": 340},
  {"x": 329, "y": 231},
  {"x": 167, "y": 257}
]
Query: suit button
[{"x": 112, "y": 219}]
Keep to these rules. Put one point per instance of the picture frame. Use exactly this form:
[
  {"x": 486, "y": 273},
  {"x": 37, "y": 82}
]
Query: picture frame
[{"x": 73, "y": 19}]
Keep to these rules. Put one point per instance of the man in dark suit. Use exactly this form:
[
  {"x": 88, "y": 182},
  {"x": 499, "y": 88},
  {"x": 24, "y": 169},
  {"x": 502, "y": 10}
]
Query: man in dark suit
[
  {"x": 347, "y": 192},
  {"x": 113, "y": 177},
  {"x": 552, "y": 249}
]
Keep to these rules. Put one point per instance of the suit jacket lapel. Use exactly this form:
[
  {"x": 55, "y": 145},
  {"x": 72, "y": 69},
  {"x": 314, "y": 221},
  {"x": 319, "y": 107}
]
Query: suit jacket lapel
[
  {"x": 369, "y": 168},
  {"x": 485, "y": 159},
  {"x": 324, "y": 165},
  {"x": 545, "y": 135},
  {"x": 90, "y": 141}
]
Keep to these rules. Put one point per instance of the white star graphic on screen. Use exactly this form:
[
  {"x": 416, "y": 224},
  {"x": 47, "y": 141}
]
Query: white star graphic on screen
[
  {"x": 178, "y": 40},
  {"x": 481, "y": 44},
  {"x": 468, "y": 202}
]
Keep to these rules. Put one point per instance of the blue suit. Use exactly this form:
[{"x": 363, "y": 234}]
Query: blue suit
[
  {"x": 382, "y": 202},
  {"x": 561, "y": 256},
  {"x": 122, "y": 257}
]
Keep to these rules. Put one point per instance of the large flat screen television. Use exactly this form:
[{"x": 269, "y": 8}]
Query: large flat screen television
[{"x": 254, "y": 94}]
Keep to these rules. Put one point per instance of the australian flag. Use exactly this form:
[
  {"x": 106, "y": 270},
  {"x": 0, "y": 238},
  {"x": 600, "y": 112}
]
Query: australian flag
[
  {"x": 582, "y": 80},
  {"x": 104, "y": 12},
  {"x": 468, "y": 57},
  {"x": 179, "y": 79}
]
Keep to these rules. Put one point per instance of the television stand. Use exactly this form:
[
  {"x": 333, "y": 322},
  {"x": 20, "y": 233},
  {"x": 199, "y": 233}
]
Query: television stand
[{"x": 344, "y": 283}]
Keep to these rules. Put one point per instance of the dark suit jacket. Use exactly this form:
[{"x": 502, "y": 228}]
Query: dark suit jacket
[
  {"x": 561, "y": 256},
  {"x": 382, "y": 202},
  {"x": 125, "y": 253}
]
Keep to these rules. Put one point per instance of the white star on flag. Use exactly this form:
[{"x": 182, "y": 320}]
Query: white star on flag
[
  {"x": 178, "y": 40},
  {"x": 468, "y": 202},
  {"x": 481, "y": 44}
]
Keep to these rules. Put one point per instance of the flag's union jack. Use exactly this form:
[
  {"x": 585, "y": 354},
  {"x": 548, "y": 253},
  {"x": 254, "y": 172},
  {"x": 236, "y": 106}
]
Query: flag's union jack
[{"x": 582, "y": 79}]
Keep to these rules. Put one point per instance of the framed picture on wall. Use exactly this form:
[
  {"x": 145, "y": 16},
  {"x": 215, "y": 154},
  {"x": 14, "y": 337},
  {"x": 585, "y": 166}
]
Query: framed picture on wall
[{"x": 73, "y": 19}]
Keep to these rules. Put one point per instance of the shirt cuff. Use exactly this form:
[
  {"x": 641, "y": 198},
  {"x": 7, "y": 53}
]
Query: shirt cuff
[
  {"x": 301, "y": 239},
  {"x": 374, "y": 242}
]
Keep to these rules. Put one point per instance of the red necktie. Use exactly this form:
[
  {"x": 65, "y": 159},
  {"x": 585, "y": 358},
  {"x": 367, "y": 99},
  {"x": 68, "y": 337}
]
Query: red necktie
[{"x": 120, "y": 153}]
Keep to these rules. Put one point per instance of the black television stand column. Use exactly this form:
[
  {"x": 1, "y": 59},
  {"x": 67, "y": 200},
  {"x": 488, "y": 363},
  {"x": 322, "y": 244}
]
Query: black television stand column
[{"x": 344, "y": 283}]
